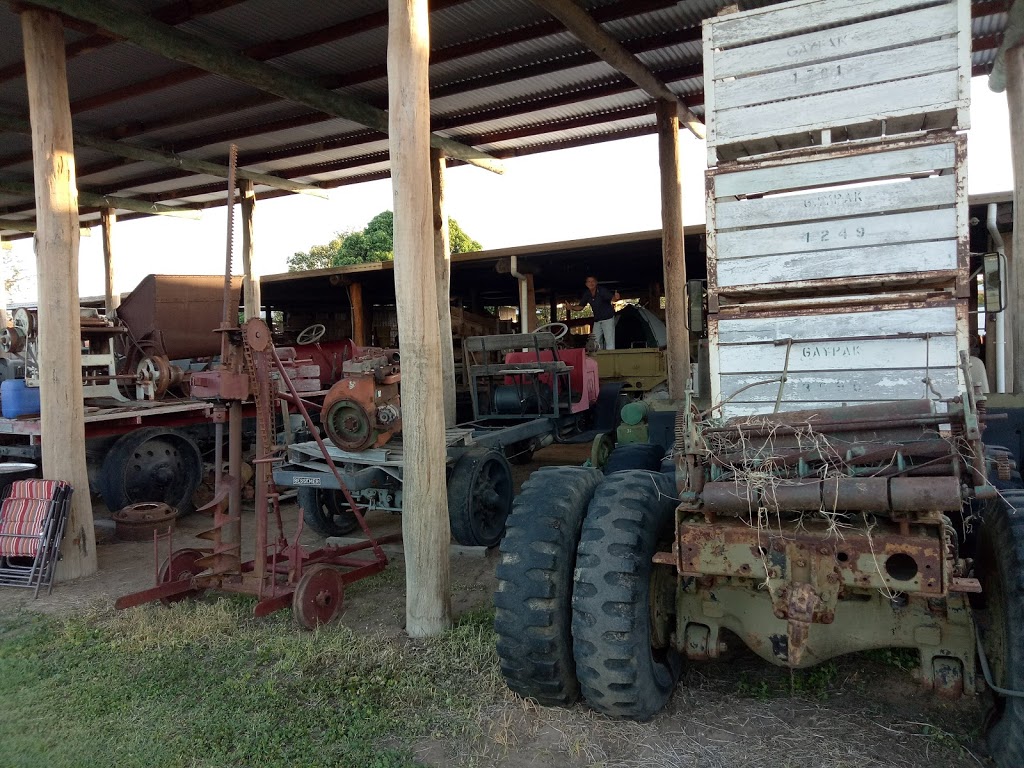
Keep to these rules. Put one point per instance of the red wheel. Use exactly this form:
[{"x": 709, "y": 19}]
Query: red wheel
[
  {"x": 318, "y": 596},
  {"x": 181, "y": 564}
]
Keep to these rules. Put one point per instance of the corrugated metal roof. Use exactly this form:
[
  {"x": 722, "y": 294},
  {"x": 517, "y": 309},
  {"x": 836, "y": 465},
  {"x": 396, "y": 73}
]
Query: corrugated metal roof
[{"x": 504, "y": 74}]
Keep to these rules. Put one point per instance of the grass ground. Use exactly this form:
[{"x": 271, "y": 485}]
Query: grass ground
[{"x": 204, "y": 684}]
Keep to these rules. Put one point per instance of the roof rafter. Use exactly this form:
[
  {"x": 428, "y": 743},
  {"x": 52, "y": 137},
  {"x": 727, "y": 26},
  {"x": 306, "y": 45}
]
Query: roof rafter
[
  {"x": 169, "y": 159},
  {"x": 109, "y": 201},
  {"x": 592, "y": 35},
  {"x": 172, "y": 43}
]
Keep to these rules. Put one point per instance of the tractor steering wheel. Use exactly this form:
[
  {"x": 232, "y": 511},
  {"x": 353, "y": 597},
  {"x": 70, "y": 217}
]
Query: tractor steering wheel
[
  {"x": 558, "y": 329},
  {"x": 311, "y": 334}
]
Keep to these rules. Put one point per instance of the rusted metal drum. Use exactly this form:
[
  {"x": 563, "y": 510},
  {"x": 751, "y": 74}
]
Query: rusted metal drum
[{"x": 138, "y": 522}]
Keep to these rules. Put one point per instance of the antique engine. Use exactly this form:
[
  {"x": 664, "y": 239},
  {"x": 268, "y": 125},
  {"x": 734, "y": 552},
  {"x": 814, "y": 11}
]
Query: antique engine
[{"x": 363, "y": 410}]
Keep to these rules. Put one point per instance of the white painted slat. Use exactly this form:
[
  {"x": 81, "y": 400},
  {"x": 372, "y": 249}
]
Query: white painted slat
[
  {"x": 845, "y": 386},
  {"x": 798, "y": 17},
  {"x": 838, "y": 170},
  {"x": 827, "y": 204},
  {"x": 889, "y": 322},
  {"x": 839, "y": 108},
  {"x": 839, "y": 74},
  {"x": 734, "y": 409},
  {"x": 846, "y": 233},
  {"x": 905, "y": 258},
  {"x": 852, "y": 40},
  {"x": 838, "y": 356}
]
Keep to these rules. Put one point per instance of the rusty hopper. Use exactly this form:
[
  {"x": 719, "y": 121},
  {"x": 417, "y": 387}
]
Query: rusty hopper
[{"x": 175, "y": 315}]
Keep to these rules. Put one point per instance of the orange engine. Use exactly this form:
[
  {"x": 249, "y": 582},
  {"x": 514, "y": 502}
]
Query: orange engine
[{"x": 364, "y": 409}]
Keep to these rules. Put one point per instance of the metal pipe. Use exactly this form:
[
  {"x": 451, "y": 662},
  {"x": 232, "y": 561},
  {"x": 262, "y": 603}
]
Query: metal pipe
[
  {"x": 232, "y": 533},
  {"x": 524, "y": 302},
  {"x": 1000, "y": 318}
]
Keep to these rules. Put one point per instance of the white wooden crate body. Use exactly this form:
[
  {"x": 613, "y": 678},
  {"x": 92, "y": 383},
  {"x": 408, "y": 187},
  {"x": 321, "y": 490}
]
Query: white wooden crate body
[
  {"x": 830, "y": 221},
  {"x": 844, "y": 356},
  {"x": 778, "y": 77}
]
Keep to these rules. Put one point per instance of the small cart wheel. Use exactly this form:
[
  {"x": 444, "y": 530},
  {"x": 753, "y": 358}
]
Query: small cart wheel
[
  {"x": 318, "y": 596},
  {"x": 480, "y": 492},
  {"x": 181, "y": 564}
]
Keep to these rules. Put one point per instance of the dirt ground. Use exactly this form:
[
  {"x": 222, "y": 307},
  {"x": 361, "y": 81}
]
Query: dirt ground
[{"x": 854, "y": 713}]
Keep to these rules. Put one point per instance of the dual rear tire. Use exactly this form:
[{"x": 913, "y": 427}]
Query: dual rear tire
[{"x": 573, "y": 599}]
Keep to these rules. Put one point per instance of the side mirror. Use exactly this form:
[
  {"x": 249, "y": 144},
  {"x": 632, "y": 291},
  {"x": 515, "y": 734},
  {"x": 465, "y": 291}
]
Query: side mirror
[{"x": 994, "y": 282}]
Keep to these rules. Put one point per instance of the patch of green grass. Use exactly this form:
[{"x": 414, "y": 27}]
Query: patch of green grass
[
  {"x": 907, "y": 659},
  {"x": 771, "y": 683},
  {"x": 203, "y": 684}
]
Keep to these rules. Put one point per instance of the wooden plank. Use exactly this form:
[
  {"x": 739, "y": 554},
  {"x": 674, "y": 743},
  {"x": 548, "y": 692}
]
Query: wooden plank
[
  {"x": 852, "y": 262},
  {"x": 838, "y": 356},
  {"x": 838, "y": 74},
  {"x": 859, "y": 232},
  {"x": 796, "y": 17},
  {"x": 62, "y": 415},
  {"x": 939, "y": 320},
  {"x": 829, "y": 110},
  {"x": 1014, "y": 64},
  {"x": 425, "y": 527},
  {"x": 112, "y": 299},
  {"x": 828, "y": 204},
  {"x": 802, "y": 173},
  {"x": 673, "y": 255},
  {"x": 852, "y": 40},
  {"x": 844, "y": 386}
]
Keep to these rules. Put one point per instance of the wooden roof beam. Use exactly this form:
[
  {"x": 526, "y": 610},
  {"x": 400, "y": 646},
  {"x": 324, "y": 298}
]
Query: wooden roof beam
[
  {"x": 142, "y": 31},
  {"x": 592, "y": 35},
  {"x": 177, "y": 12},
  {"x": 168, "y": 159},
  {"x": 107, "y": 201}
]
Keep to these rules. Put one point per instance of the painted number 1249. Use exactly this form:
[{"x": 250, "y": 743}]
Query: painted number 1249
[{"x": 826, "y": 235}]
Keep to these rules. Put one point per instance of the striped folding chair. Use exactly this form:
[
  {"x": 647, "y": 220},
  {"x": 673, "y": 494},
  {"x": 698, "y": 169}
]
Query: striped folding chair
[{"x": 32, "y": 519}]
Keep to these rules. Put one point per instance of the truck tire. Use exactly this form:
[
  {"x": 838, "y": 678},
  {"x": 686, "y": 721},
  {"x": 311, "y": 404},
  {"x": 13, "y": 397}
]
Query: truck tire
[
  {"x": 634, "y": 456},
  {"x": 1000, "y": 568},
  {"x": 154, "y": 464},
  {"x": 480, "y": 492},
  {"x": 620, "y": 673},
  {"x": 326, "y": 512},
  {"x": 534, "y": 597}
]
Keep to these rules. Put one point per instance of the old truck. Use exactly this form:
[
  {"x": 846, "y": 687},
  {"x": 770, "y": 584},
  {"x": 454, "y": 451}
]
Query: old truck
[{"x": 835, "y": 494}]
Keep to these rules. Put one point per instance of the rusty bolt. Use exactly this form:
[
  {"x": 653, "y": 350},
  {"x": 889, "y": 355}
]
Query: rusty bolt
[
  {"x": 801, "y": 563},
  {"x": 823, "y": 550},
  {"x": 779, "y": 613}
]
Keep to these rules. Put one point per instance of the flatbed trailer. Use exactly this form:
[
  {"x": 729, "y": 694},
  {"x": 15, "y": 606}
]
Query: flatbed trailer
[{"x": 480, "y": 486}]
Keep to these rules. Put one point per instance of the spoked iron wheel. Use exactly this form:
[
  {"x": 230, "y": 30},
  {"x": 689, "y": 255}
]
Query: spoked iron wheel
[
  {"x": 181, "y": 564},
  {"x": 480, "y": 492},
  {"x": 318, "y": 596}
]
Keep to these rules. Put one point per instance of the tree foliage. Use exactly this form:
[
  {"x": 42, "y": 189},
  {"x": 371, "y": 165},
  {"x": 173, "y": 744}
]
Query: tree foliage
[{"x": 374, "y": 243}]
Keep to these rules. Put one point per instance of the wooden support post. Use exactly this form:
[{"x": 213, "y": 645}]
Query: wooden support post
[
  {"x": 112, "y": 298},
  {"x": 425, "y": 527},
  {"x": 56, "y": 242},
  {"x": 672, "y": 253},
  {"x": 250, "y": 282},
  {"x": 1014, "y": 62},
  {"x": 531, "y": 305},
  {"x": 355, "y": 300},
  {"x": 443, "y": 274}
]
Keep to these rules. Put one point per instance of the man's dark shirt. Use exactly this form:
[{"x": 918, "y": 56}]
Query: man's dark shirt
[{"x": 601, "y": 303}]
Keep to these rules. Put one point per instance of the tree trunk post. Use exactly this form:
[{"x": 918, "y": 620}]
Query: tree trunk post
[
  {"x": 112, "y": 299},
  {"x": 56, "y": 243},
  {"x": 672, "y": 253},
  {"x": 425, "y": 527},
  {"x": 443, "y": 270},
  {"x": 250, "y": 282},
  {"x": 1015, "y": 294}
]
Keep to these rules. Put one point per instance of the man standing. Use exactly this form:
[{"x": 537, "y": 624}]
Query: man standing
[{"x": 600, "y": 300}]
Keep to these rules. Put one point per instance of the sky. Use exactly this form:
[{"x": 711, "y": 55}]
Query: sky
[{"x": 604, "y": 189}]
